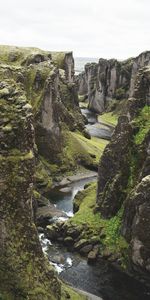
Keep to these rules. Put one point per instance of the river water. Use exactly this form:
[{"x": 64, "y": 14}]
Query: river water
[
  {"x": 101, "y": 279},
  {"x": 95, "y": 128}
]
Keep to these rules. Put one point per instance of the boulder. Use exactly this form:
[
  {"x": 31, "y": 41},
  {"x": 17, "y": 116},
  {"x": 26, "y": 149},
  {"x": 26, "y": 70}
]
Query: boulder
[
  {"x": 92, "y": 256},
  {"x": 86, "y": 249},
  {"x": 80, "y": 244},
  {"x": 45, "y": 213}
]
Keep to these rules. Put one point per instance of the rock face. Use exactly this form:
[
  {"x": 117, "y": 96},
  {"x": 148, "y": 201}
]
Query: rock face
[
  {"x": 124, "y": 181},
  {"x": 47, "y": 78},
  {"x": 142, "y": 60},
  {"x": 110, "y": 79},
  {"x": 24, "y": 271},
  {"x": 136, "y": 225},
  {"x": 114, "y": 169}
]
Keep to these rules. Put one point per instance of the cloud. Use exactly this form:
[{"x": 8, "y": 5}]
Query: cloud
[{"x": 94, "y": 28}]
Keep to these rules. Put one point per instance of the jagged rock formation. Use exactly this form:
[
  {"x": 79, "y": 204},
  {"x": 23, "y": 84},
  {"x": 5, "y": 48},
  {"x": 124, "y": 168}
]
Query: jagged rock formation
[
  {"x": 110, "y": 79},
  {"x": 24, "y": 271},
  {"x": 47, "y": 79},
  {"x": 124, "y": 181},
  {"x": 140, "y": 61},
  {"x": 112, "y": 183}
]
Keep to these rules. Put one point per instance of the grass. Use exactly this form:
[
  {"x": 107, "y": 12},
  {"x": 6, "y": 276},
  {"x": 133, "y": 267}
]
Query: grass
[
  {"x": 143, "y": 122},
  {"x": 68, "y": 293},
  {"x": 111, "y": 228},
  {"x": 108, "y": 118},
  {"x": 76, "y": 156},
  {"x": 92, "y": 146},
  {"x": 21, "y": 53},
  {"x": 83, "y": 104}
]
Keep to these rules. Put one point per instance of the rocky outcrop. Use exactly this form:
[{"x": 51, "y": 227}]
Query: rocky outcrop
[
  {"x": 136, "y": 225},
  {"x": 142, "y": 60},
  {"x": 114, "y": 169},
  {"x": 124, "y": 169},
  {"x": 110, "y": 79},
  {"x": 47, "y": 78},
  {"x": 24, "y": 271}
]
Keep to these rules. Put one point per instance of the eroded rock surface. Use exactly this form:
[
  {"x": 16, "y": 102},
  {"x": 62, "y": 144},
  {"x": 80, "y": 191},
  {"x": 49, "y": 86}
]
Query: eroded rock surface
[
  {"x": 110, "y": 79},
  {"x": 24, "y": 271},
  {"x": 124, "y": 169}
]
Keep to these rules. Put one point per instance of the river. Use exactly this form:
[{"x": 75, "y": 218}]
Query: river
[{"x": 101, "y": 279}]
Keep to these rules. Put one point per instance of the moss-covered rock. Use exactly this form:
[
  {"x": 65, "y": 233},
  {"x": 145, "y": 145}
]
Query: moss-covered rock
[
  {"x": 110, "y": 79},
  {"x": 24, "y": 271},
  {"x": 130, "y": 160}
]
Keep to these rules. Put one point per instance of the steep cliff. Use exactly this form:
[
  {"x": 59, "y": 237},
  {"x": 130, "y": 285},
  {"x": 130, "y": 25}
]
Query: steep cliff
[
  {"x": 47, "y": 79},
  {"x": 110, "y": 79},
  {"x": 123, "y": 180},
  {"x": 24, "y": 271}
]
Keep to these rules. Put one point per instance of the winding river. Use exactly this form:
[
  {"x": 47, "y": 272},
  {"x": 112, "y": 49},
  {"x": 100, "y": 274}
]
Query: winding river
[{"x": 102, "y": 279}]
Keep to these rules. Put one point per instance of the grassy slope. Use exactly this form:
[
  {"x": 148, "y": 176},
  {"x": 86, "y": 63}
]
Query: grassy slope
[
  {"x": 80, "y": 148},
  {"x": 108, "y": 118},
  {"x": 94, "y": 145},
  {"x": 21, "y": 53},
  {"x": 113, "y": 240}
]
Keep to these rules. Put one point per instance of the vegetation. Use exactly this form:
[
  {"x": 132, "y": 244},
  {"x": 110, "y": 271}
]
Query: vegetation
[
  {"x": 109, "y": 230},
  {"x": 83, "y": 104},
  {"x": 143, "y": 123},
  {"x": 109, "y": 118},
  {"x": 69, "y": 293},
  {"x": 82, "y": 151},
  {"x": 120, "y": 93}
]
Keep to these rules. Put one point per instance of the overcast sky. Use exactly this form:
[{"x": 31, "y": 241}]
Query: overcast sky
[{"x": 90, "y": 28}]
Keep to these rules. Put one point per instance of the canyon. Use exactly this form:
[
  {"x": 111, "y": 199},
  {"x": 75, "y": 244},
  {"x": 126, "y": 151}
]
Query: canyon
[{"x": 48, "y": 143}]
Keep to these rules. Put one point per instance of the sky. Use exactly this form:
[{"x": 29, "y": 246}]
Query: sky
[{"x": 89, "y": 28}]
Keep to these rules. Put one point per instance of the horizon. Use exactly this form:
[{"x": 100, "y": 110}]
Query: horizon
[{"x": 75, "y": 56}]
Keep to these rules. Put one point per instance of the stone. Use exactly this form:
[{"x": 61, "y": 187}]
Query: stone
[
  {"x": 21, "y": 255},
  {"x": 80, "y": 244},
  {"x": 45, "y": 213},
  {"x": 68, "y": 241},
  {"x": 110, "y": 79},
  {"x": 92, "y": 256},
  {"x": 51, "y": 232},
  {"x": 74, "y": 232},
  {"x": 86, "y": 249},
  {"x": 112, "y": 181},
  {"x": 124, "y": 180},
  {"x": 58, "y": 259},
  {"x": 136, "y": 223}
]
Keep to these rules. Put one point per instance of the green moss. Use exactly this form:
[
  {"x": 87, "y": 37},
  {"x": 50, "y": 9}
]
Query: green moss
[
  {"x": 120, "y": 93},
  {"x": 108, "y": 118},
  {"x": 143, "y": 122},
  {"x": 74, "y": 151},
  {"x": 94, "y": 146},
  {"x": 111, "y": 228},
  {"x": 17, "y": 55},
  {"x": 42, "y": 174},
  {"x": 80, "y": 151},
  {"x": 68, "y": 293},
  {"x": 35, "y": 94},
  {"x": 24, "y": 272},
  {"x": 58, "y": 58},
  {"x": 83, "y": 104}
]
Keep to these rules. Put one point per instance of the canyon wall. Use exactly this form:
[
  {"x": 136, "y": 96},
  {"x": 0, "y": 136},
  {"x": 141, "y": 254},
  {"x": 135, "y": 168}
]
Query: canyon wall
[
  {"x": 110, "y": 79},
  {"x": 124, "y": 174},
  {"x": 38, "y": 102},
  {"x": 47, "y": 78},
  {"x": 24, "y": 271}
]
